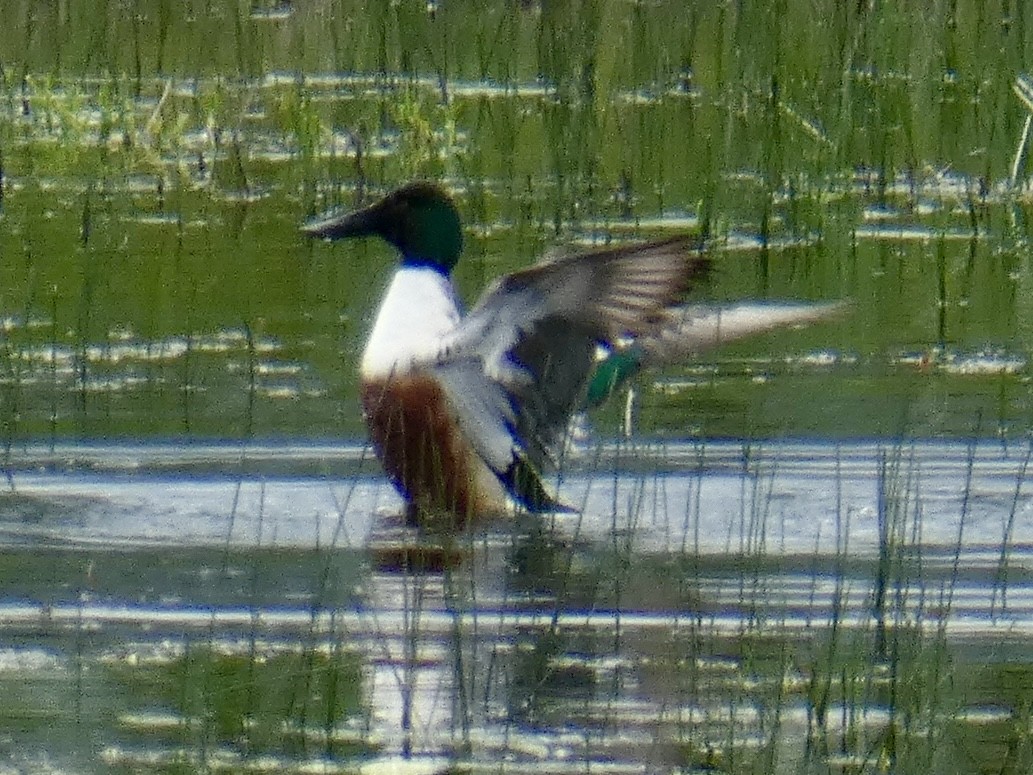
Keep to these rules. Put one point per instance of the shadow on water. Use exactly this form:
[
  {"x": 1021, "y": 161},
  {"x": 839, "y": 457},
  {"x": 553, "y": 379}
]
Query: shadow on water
[{"x": 779, "y": 608}]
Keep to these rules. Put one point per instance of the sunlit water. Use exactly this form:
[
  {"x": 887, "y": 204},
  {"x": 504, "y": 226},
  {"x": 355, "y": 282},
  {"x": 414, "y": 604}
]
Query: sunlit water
[
  {"x": 756, "y": 606},
  {"x": 614, "y": 635}
]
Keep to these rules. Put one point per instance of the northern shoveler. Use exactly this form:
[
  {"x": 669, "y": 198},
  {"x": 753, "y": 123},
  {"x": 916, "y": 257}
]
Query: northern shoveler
[{"x": 463, "y": 410}]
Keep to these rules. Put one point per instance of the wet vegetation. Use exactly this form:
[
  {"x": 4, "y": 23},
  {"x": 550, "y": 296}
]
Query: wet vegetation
[
  {"x": 157, "y": 163},
  {"x": 156, "y": 160}
]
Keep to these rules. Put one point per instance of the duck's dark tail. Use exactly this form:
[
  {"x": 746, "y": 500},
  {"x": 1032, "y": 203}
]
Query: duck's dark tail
[{"x": 525, "y": 485}]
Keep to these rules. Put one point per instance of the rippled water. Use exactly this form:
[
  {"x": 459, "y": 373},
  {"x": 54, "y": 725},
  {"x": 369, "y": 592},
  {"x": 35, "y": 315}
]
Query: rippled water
[
  {"x": 748, "y": 606},
  {"x": 687, "y": 615}
]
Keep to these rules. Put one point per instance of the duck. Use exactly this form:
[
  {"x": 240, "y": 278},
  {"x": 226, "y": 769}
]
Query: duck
[{"x": 465, "y": 410}]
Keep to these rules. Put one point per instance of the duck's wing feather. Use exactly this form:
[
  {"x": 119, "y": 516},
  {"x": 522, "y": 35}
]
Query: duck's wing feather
[
  {"x": 693, "y": 329},
  {"x": 621, "y": 290},
  {"x": 696, "y": 328},
  {"x": 517, "y": 365},
  {"x": 490, "y": 418}
]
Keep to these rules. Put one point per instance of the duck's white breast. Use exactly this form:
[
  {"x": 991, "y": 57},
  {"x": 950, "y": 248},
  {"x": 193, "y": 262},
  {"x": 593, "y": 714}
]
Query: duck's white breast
[{"x": 418, "y": 311}]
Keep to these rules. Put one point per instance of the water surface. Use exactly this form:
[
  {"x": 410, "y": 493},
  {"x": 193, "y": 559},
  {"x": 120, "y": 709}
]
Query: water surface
[{"x": 157, "y": 595}]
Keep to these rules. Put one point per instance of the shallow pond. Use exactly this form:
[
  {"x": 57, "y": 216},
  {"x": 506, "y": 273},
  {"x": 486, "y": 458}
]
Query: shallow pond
[
  {"x": 780, "y": 607},
  {"x": 198, "y": 574}
]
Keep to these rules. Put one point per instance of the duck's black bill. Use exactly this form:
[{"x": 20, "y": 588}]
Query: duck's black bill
[{"x": 340, "y": 225}]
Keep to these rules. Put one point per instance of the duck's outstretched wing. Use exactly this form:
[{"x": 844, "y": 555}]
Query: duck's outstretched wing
[
  {"x": 518, "y": 364},
  {"x": 695, "y": 328}
]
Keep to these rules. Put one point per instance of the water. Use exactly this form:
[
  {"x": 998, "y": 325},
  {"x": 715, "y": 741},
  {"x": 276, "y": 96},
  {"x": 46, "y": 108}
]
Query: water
[
  {"x": 198, "y": 576},
  {"x": 154, "y": 282},
  {"x": 685, "y": 608}
]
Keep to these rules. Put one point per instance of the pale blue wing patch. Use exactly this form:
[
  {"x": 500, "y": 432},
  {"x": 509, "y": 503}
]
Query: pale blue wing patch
[
  {"x": 488, "y": 416},
  {"x": 484, "y": 409}
]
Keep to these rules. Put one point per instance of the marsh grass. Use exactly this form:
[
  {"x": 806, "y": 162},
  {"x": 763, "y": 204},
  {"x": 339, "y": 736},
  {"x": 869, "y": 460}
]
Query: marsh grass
[
  {"x": 152, "y": 182},
  {"x": 579, "y": 638},
  {"x": 547, "y": 145},
  {"x": 879, "y": 691}
]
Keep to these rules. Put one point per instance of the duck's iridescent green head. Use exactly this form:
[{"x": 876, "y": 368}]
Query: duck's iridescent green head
[{"x": 419, "y": 219}]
